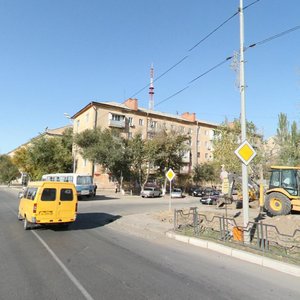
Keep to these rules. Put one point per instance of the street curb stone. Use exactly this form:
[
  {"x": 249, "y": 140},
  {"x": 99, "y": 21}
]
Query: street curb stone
[{"x": 240, "y": 254}]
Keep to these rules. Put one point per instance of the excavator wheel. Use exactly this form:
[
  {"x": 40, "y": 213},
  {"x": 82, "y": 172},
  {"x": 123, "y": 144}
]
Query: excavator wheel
[{"x": 277, "y": 204}]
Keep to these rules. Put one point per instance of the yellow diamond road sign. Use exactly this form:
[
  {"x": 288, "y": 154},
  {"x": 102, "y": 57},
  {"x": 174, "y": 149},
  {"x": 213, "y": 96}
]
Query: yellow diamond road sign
[
  {"x": 245, "y": 152},
  {"x": 170, "y": 174}
]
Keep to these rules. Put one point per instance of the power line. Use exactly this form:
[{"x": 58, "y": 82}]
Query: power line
[
  {"x": 179, "y": 62},
  {"x": 172, "y": 67},
  {"x": 208, "y": 35},
  {"x": 175, "y": 94},
  {"x": 211, "y": 69},
  {"x": 221, "y": 25},
  {"x": 198, "y": 77},
  {"x": 184, "y": 58},
  {"x": 251, "y": 4},
  {"x": 196, "y": 45},
  {"x": 274, "y": 37},
  {"x": 229, "y": 58}
]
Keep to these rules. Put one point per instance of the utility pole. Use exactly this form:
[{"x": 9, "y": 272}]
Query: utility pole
[{"x": 243, "y": 126}]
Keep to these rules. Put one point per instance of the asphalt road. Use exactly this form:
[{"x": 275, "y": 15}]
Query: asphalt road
[{"x": 93, "y": 261}]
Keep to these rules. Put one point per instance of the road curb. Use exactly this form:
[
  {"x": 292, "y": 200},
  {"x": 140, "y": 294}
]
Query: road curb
[{"x": 240, "y": 254}]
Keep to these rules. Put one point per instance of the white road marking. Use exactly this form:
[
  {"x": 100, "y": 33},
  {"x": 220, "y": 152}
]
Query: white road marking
[
  {"x": 76, "y": 282},
  {"x": 65, "y": 269}
]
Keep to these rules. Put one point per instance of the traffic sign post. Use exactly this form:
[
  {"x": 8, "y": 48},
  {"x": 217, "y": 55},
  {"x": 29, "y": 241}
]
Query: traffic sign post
[
  {"x": 170, "y": 175},
  {"x": 245, "y": 153}
]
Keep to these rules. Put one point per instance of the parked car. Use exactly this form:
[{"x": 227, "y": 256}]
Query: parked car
[
  {"x": 150, "y": 192},
  {"x": 212, "y": 192},
  {"x": 210, "y": 196},
  {"x": 176, "y": 193},
  {"x": 199, "y": 192},
  {"x": 192, "y": 189},
  {"x": 209, "y": 199}
]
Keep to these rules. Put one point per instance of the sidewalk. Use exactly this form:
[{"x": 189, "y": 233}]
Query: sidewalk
[
  {"x": 149, "y": 226},
  {"x": 142, "y": 225}
]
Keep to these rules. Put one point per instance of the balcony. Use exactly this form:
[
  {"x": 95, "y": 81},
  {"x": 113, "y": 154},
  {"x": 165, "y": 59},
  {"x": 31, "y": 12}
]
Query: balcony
[
  {"x": 117, "y": 124},
  {"x": 186, "y": 157}
]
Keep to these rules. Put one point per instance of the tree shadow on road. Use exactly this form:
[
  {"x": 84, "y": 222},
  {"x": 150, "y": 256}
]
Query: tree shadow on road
[
  {"x": 92, "y": 220},
  {"x": 85, "y": 221},
  {"x": 98, "y": 197}
]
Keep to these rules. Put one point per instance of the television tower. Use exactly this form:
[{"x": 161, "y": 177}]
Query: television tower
[{"x": 151, "y": 89}]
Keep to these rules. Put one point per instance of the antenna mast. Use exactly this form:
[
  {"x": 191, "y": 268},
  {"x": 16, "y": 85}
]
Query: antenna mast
[{"x": 151, "y": 89}]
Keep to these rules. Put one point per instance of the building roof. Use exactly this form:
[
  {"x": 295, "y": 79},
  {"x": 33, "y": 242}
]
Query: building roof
[
  {"x": 142, "y": 111},
  {"x": 48, "y": 132}
]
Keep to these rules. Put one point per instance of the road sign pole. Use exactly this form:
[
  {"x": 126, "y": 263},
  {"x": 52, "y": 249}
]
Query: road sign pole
[
  {"x": 170, "y": 199},
  {"x": 243, "y": 126},
  {"x": 170, "y": 175}
]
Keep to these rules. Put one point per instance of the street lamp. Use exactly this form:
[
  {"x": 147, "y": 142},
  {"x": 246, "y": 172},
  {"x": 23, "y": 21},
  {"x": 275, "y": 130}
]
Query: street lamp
[{"x": 73, "y": 146}]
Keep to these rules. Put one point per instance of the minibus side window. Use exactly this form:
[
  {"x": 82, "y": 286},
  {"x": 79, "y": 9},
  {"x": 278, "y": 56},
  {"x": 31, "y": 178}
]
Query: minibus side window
[
  {"x": 48, "y": 194},
  {"x": 66, "y": 195}
]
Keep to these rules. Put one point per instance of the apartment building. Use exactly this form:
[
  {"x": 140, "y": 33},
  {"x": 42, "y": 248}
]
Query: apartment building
[
  {"x": 131, "y": 120},
  {"x": 48, "y": 133}
]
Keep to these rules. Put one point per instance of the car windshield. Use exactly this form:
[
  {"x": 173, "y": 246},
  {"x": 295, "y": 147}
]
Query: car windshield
[
  {"x": 148, "y": 189},
  {"x": 84, "y": 180}
]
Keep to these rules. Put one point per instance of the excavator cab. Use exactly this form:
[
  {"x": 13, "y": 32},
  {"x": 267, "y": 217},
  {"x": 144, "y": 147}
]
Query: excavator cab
[{"x": 283, "y": 194}]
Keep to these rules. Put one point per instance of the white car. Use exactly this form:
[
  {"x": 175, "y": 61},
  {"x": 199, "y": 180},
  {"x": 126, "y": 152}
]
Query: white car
[
  {"x": 150, "y": 192},
  {"x": 176, "y": 193}
]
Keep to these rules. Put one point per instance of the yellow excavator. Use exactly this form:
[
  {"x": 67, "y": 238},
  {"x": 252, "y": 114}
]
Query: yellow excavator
[
  {"x": 283, "y": 194},
  {"x": 280, "y": 198}
]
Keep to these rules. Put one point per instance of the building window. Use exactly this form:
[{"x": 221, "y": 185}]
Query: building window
[
  {"x": 150, "y": 135},
  {"x": 117, "y": 117},
  {"x": 141, "y": 122},
  {"x": 78, "y": 124},
  {"x": 84, "y": 162},
  {"x": 153, "y": 124},
  {"x": 130, "y": 121},
  {"x": 129, "y": 135},
  {"x": 87, "y": 118},
  {"x": 198, "y": 154}
]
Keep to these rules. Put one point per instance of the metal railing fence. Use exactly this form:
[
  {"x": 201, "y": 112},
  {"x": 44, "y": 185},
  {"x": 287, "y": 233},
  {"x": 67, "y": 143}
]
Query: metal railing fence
[{"x": 265, "y": 238}]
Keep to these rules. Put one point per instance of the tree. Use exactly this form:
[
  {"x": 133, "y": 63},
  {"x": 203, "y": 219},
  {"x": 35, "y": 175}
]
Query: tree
[
  {"x": 132, "y": 159},
  {"x": 22, "y": 161},
  {"x": 204, "y": 172},
  {"x": 287, "y": 139},
  {"x": 46, "y": 155},
  {"x": 137, "y": 149},
  {"x": 227, "y": 138},
  {"x": 8, "y": 170},
  {"x": 106, "y": 148},
  {"x": 167, "y": 150}
]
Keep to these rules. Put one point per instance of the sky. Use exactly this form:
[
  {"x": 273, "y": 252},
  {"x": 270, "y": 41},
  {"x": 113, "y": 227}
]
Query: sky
[{"x": 56, "y": 56}]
